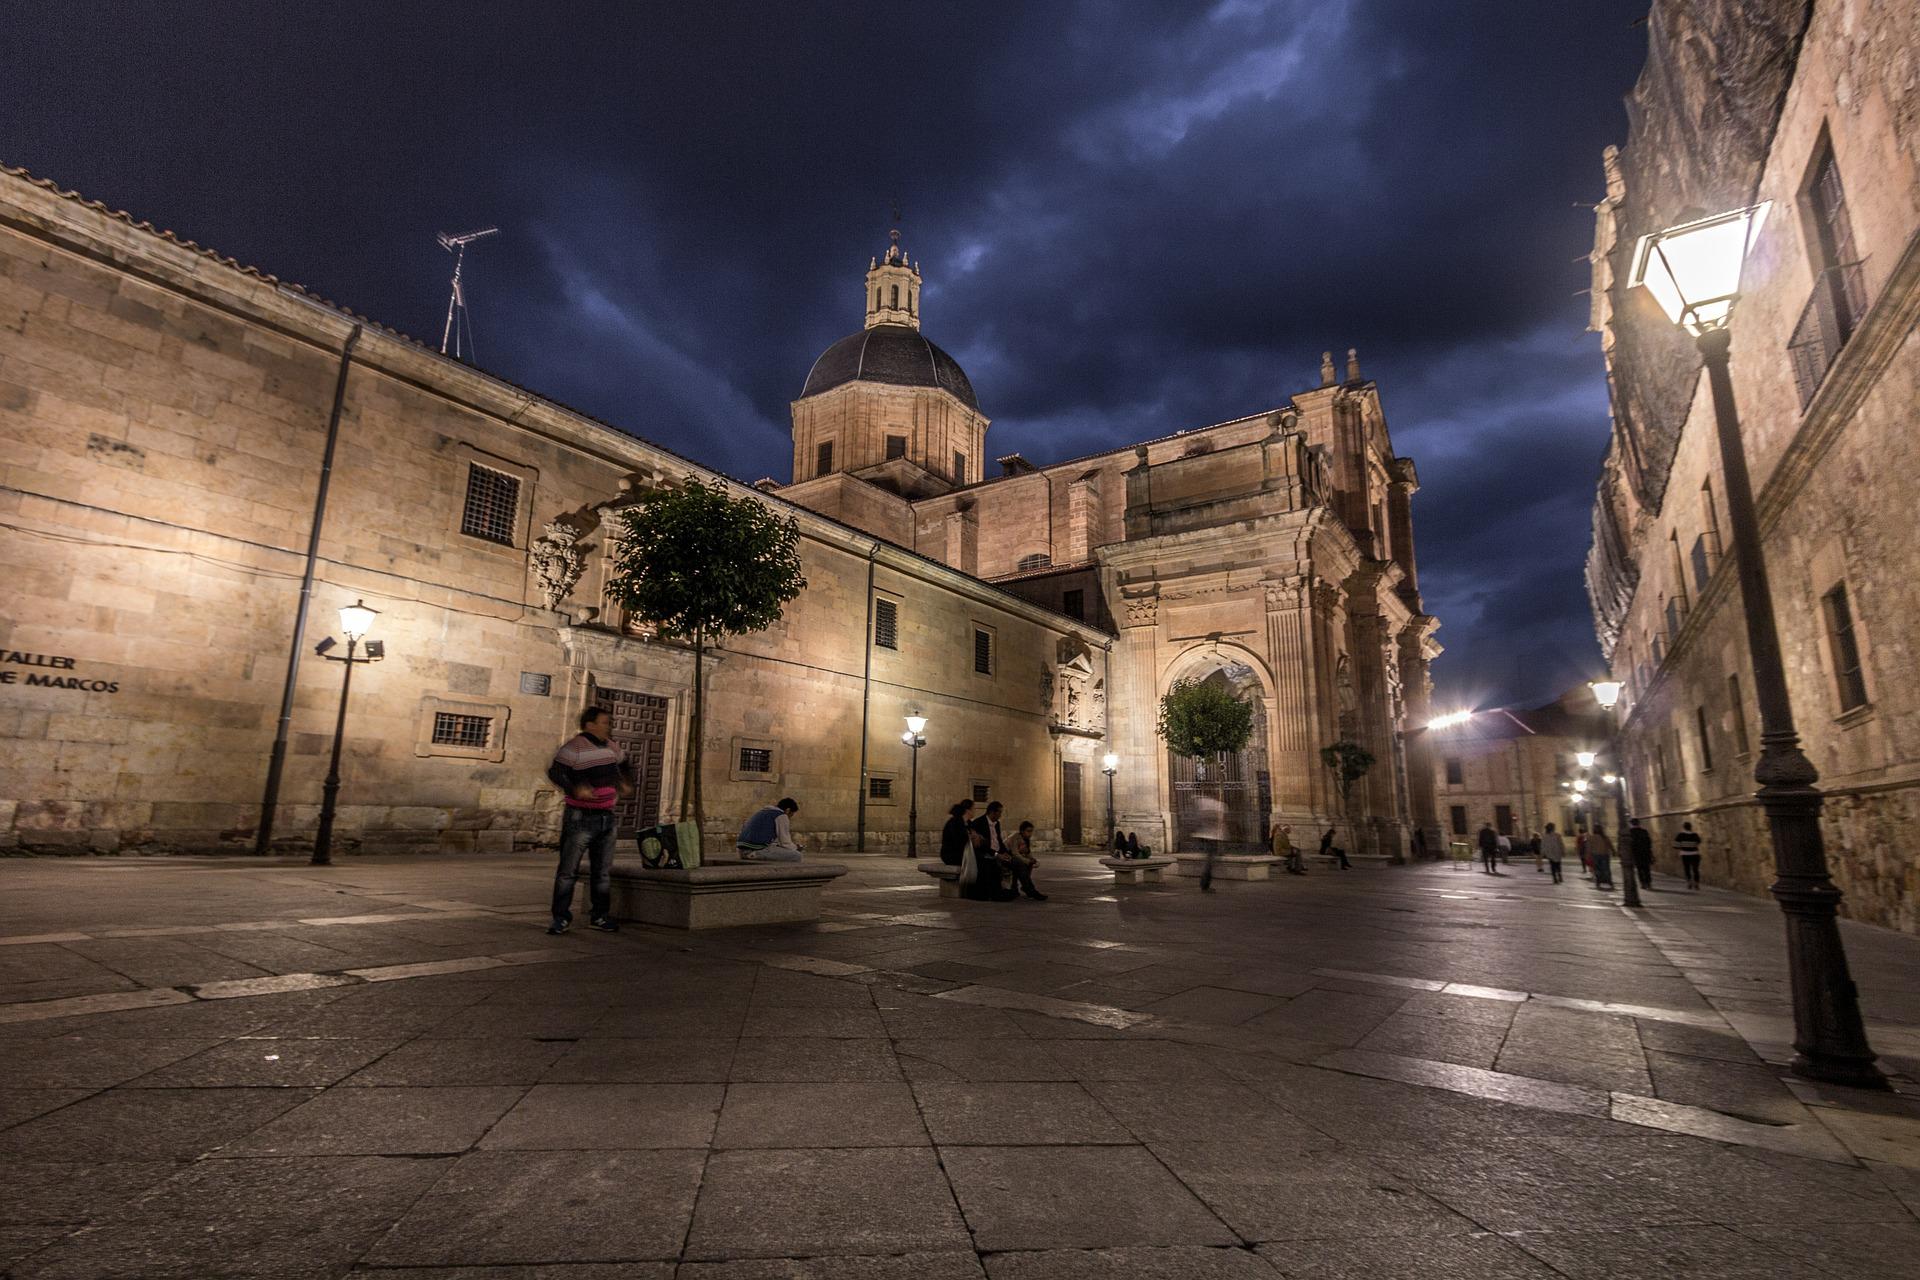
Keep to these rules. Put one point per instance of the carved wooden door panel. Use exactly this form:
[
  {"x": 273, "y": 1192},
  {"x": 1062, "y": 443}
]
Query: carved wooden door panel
[
  {"x": 639, "y": 725},
  {"x": 1069, "y": 803}
]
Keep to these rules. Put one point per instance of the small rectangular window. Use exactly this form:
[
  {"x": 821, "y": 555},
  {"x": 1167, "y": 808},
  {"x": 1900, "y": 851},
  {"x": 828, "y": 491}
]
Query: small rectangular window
[
  {"x": 452, "y": 730},
  {"x": 1457, "y": 819},
  {"x": 886, "y": 624},
  {"x": 1741, "y": 746},
  {"x": 1074, "y": 604},
  {"x": 756, "y": 760},
  {"x": 959, "y": 467},
  {"x": 823, "y": 458},
  {"x": 896, "y": 447},
  {"x": 1846, "y": 649},
  {"x": 983, "y": 651},
  {"x": 1706, "y": 746},
  {"x": 879, "y": 788},
  {"x": 1660, "y": 764},
  {"x": 1456, "y": 776},
  {"x": 492, "y": 506},
  {"x": 982, "y": 792}
]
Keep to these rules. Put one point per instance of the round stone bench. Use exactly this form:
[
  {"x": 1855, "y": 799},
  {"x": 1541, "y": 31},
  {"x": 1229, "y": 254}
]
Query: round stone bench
[
  {"x": 1228, "y": 866},
  {"x": 1137, "y": 870},
  {"x": 722, "y": 895},
  {"x": 947, "y": 874}
]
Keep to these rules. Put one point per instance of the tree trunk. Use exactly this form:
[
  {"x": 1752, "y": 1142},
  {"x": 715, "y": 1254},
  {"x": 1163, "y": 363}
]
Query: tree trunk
[{"x": 691, "y": 804}]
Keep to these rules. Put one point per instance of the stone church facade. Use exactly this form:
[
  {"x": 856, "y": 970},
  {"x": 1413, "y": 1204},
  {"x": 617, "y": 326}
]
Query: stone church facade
[
  {"x": 1814, "y": 107},
  {"x": 166, "y": 413}
]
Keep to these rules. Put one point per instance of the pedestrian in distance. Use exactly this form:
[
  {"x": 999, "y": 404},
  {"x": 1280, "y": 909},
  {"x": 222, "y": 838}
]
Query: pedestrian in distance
[
  {"x": 1489, "y": 849},
  {"x": 1600, "y": 855},
  {"x": 1134, "y": 848},
  {"x": 1687, "y": 842},
  {"x": 1534, "y": 845},
  {"x": 1640, "y": 847},
  {"x": 1554, "y": 848},
  {"x": 1282, "y": 845},
  {"x": 1580, "y": 847},
  {"x": 767, "y": 836},
  {"x": 1505, "y": 844},
  {"x": 593, "y": 773},
  {"x": 1328, "y": 849}
]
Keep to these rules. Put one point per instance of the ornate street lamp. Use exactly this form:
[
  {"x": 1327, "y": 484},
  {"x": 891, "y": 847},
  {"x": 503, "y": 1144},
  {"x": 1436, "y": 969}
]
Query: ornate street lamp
[
  {"x": 914, "y": 738},
  {"x": 1110, "y": 765},
  {"x": 1694, "y": 272},
  {"x": 356, "y": 620},
  {"x": 1607, "y": 693}
]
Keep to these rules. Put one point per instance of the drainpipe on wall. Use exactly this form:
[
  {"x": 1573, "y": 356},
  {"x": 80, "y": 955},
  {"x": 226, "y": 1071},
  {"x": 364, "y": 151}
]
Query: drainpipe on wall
[
  {"x": 866, "y": 698},
  {"x": 277, "y": 760}
]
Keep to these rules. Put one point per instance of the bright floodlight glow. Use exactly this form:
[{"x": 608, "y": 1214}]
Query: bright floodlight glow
[
  {"x": 1109, "y": 763},
  {"x": 1586, "y": 758},
  {"x": 1580, "y": 784},
  {"x": 1605, "y": 692},
  {"x": 1450, "y": 719},
  {"x": 1693, "y": 270},
  {"x": 916, "y": 725},
  {"x": 1609, "y": 778},
  {"x": 356, "y": 619}
]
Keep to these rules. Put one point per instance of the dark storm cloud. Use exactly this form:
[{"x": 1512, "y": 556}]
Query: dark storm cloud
[{"x": 1133, "y": 218}]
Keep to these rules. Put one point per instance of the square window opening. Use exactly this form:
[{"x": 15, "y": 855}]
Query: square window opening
[{"x": 492, "y": 505}]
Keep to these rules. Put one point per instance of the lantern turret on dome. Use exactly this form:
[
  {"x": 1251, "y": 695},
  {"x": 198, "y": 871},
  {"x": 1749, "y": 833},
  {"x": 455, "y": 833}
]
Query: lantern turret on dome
[{"x": 893, "y": 287}]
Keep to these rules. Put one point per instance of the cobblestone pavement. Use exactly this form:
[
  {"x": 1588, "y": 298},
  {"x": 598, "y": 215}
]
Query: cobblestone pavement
[{"x": 385, "y": 1068}]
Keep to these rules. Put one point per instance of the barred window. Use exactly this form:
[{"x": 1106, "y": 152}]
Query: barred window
[
  {"x": 1847, "y": 672},
  {"x": 983, "y": 651},
  {"x": 896, "y": 447},
  {"x": 886, "y": 624},
  {"x": 982, "y": 792},
  {"x": 756, "y": 760},
  {"x": 453, "y": 730},
  {"x": 879, "y": 788},
  {"x": 493, "y": 503},
  {"x": 1038, "y": 560},
  {"x": 823, "y": 458}
]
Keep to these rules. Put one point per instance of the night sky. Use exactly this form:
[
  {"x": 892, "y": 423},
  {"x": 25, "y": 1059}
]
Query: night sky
[{"x": 1133, "y": 218}]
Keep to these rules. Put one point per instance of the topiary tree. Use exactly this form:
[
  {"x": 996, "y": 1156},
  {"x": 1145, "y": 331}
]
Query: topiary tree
[
  {"x": 701, "y": 565},
  {"x": 1348, "y": 762},
  {"x": 1202, "y": 718}
]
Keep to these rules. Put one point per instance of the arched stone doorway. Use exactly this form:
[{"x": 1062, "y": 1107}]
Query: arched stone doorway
[{"x": 1224, "y": 802}]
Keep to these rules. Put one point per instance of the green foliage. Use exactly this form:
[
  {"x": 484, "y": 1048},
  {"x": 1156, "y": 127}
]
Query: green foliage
[
  {"x": 1198, "y": 718},
  {"x": 1348, "y": 761},
  {"x": 699, "y": 563}
]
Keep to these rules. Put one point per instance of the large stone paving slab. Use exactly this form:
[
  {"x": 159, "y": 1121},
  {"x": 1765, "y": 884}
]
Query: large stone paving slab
[
  {"x": 1075, "y": 1197},
  {"x": 811, "y": 1202},
  {"x": 382, "y": 1121},
  {"x": 148, "y": 1124},
  {"x": 849, "y": 1114}
]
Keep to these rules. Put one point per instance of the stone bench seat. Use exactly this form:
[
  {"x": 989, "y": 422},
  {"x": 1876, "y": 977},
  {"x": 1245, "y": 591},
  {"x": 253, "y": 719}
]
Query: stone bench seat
[
  {"x": 722, "y": 895},
  {"x": 1137, "y": 870},
  {"x": 947, "y": 874},
  {"x": 1229, "y": 866}
]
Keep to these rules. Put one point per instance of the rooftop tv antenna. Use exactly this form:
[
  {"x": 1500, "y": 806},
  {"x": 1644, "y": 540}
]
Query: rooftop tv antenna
[{"x": 459, "y": 331}]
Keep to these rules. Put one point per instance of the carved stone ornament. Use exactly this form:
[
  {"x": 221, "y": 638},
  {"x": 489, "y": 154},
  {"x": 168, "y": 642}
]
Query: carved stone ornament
[
  {"x": 557, "y": 561},
  {"x": 1287, "y": 593},
  {"x": 1142, "y": 611},
  {"x": 1046, "y": 686}
]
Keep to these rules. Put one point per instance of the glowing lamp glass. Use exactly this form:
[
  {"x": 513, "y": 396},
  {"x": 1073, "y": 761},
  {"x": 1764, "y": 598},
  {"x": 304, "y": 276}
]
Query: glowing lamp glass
[
  {"x": 1693, "y": 270},
  {"x": 916, "y": 725},
  {"x": 1580, "y": 786},
  {"x": 1586, "y": 758},
  {"x": 1605, "y": 692},
  {"x": 1109, "y": 763},
  {"x": 1450, "y": 719},
  {"x": 1609, "y": 778},
  {"x": 356, "y": 619}
]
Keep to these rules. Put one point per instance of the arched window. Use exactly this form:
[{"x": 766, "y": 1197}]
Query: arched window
[
  {"x": 896, "y": 295},
  {"x": 1037, "y": 560},
  {"x": 876, "y": 297}
]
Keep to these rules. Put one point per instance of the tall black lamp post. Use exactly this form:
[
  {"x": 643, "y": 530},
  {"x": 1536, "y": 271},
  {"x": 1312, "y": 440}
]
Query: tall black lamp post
[
  {"x": 1694, "y": 272},
  {"x": 356, "y": 620},
  {"x": 1110, "y": 765},
  {"x": 1630, "y": 884},
  {"x": 915, "y": 737}
]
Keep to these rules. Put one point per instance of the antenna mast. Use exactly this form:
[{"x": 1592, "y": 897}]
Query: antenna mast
[{"x": 459, "y": 319}]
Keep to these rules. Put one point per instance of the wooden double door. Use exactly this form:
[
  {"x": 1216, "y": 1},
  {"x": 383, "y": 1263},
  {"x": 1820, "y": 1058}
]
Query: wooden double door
[{"x": 640, "y": 726}]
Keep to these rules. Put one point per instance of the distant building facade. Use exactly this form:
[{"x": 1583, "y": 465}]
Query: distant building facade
[
  {"x": 1816, "y": 108},
  {"x": 165, "y": 413},
  {"x": 1510, "y": 769}
]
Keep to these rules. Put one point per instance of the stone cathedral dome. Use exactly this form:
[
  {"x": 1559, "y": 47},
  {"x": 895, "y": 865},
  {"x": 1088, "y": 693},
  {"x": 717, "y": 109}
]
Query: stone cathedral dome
[{"x": 890, "y": 348}]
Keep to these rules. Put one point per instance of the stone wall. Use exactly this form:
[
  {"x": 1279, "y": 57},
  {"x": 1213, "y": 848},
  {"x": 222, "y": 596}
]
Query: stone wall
[{"x": 163, "y": 415}]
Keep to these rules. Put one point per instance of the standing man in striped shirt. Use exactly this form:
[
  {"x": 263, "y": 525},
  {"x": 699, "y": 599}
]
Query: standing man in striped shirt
[{"x": 593, "y": 773}]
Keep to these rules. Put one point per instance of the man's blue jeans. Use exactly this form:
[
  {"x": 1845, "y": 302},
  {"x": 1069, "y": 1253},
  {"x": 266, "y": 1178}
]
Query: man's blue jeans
[{"x": 589, "y": 832}]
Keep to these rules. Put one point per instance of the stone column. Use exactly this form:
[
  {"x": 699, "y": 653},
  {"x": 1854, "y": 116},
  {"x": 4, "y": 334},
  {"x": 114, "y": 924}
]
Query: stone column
[
  {"x": 1416, "y": 684},
  {"x": 1133, "y": 705},
  {"x": 1296, "y": 636}
]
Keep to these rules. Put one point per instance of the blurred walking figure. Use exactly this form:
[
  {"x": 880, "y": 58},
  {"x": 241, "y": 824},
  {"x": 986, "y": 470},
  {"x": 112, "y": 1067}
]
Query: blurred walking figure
[
  {"x": 1554, "y": 848},
  {"x": 1489, "y": 850},
  {"x": 1580, "y": 847},
  {"x": 1328, "y": 849},
  {"x": 1640, "y": 846},
  {"x": 1688, "y": 843},
  {"x": 1534, "y": 844},
  {"x": 1600, "y": 855}
]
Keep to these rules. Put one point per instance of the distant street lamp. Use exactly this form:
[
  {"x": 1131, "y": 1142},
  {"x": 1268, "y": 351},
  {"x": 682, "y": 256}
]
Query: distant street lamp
[
  {"x": 915, "y": 738},
  {"x": 356, "y": 620},
  {"x": 1607, "y": 693},
  {"x": 1586, "y": 758},
  {"x": 1694, "y": 272},
  {"x": 1110, "y": 765}
]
